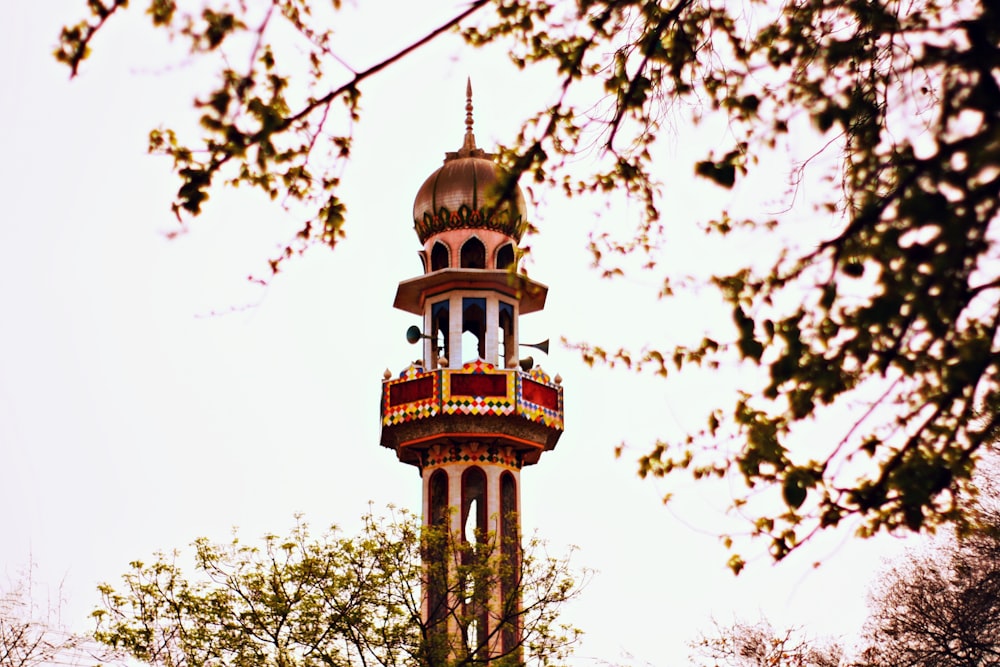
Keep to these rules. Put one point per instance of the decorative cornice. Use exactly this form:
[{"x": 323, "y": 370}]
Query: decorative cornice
[{"x": 468, "y": 218}]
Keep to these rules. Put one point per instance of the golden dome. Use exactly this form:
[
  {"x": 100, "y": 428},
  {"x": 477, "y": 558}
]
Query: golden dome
[{"x": 464, "y": 192}]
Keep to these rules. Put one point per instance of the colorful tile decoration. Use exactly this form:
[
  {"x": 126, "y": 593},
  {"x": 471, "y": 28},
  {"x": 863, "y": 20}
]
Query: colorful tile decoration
[
  {"x": 465, "y": 400},
  {"x": 473, "y": 452},
  {"x": 539, "y": 399},
  {"x": 478, "y": 388},
  {"x": 400, "y": 403},
  {"x": 412, "y": 371}
]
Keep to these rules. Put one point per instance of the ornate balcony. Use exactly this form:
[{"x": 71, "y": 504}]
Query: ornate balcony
[{"x": 477, "y": 402}]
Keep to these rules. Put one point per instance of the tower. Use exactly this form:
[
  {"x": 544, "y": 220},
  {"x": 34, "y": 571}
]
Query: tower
[{"x": 469, "y": 415}]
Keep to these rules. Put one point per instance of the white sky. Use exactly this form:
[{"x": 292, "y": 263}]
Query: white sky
[{"x": 133, "y": 418}]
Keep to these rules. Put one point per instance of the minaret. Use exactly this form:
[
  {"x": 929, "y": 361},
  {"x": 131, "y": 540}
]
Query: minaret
[{"x": 470, "y": 415}]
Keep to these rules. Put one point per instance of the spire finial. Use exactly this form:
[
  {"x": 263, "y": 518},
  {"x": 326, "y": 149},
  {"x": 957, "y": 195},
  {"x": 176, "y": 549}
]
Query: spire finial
[{"x": 470, "y": 140}]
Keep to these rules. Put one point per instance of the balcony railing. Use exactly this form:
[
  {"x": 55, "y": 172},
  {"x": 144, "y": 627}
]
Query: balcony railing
[{"x": 477, "y": 388}]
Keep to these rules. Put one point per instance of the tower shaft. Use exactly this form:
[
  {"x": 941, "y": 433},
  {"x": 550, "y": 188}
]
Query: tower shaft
[{"x": 469, "y": 415}]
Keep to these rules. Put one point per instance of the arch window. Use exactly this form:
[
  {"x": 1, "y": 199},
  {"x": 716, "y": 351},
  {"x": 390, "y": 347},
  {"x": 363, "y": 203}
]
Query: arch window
[
  {"x": 473, "y": 505},
  {"x": 505, "y": 256},
  {"x": 510, "y": 545},
  {"x": 474, "y": 532},
  {"x": 473, "y": 254},
  {"x": 439, "y": 256},
  {"x": 438, "y": 498},
  {"x": 436, "y": 561},
  {"x": 474, "y": 324}
]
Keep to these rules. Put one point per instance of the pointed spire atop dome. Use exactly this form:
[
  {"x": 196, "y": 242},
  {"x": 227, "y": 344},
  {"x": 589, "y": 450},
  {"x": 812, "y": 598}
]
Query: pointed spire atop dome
[
  {"x": 469, "y": 145},
  {"x": 469, "y": 148}
]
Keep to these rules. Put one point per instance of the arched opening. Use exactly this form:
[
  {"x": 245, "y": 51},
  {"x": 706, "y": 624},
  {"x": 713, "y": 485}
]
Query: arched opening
[
  {"x": 505, "y": 256},
  {"x": 439, "y": 256},
  {"x": 437, "y": 562},
  {"x": 474, "y": 532},
  {"x": 473, "y": 505},
  {"x": 439, "y": 332},
  {"x": 510, "y": 545},
  {"x": 473, "y": 254},
  {"x": 437, "y": 509},
  {"x": 508, "y": 349},
  {"x": 473, "y": 324},
  {"x": 508, "y": 508}
]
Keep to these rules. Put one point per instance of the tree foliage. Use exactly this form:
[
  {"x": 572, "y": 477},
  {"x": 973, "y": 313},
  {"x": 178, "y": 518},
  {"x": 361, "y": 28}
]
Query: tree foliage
[
  {"x": 890, "y": 316},
  {"x": 759, "y": 644},
  {"x": 306, "y": 601},
  {"x": 940, "y": 606},
  {"x": 936, "y": 605}
]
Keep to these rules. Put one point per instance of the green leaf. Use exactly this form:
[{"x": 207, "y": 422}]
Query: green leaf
[
  {"x": 794, "y": 491},
  {"x": 721, "y": 173}
]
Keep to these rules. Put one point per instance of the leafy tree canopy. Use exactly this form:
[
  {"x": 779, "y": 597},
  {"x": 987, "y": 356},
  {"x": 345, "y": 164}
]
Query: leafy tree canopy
[
  {"x": 333, "y": 600},
  {"x": 890, "y": 317}
]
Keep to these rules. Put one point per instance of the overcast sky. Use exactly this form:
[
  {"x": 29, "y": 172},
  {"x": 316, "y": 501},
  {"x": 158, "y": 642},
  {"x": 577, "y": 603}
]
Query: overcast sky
[{"x": 150, "y": 394}]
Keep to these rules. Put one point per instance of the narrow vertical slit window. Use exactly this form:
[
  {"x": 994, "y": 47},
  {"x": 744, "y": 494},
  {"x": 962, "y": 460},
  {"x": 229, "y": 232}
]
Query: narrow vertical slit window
[
  {"x": 437, "y": 562},
  {"x": 439, "y": 332},
  {"x": 473, "y": 323},
  {"x": 474, "y": 534},
  {"x": 508, "y": 350},
  {"x": 473, "y": 505},
  {"x": 438, "y": 501},
  {"x": 510, "y": 565}
]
